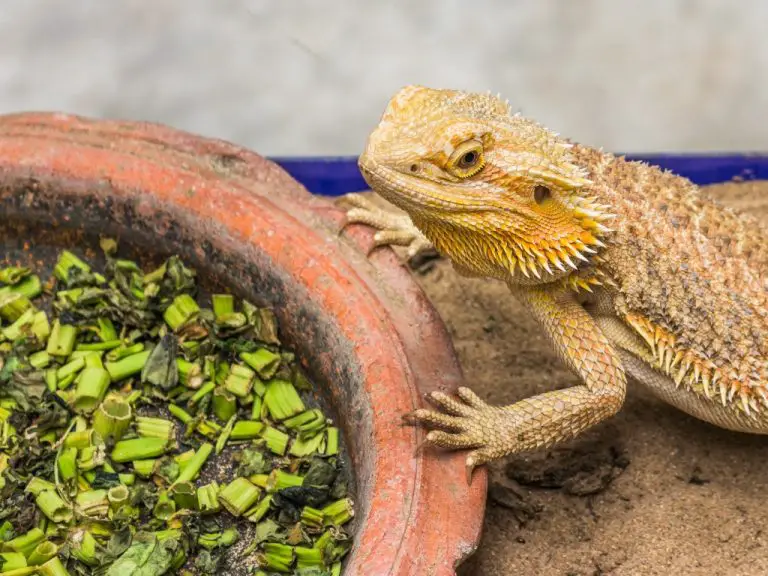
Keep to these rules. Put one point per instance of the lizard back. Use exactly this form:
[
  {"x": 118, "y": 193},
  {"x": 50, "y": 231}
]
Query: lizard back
[{"x": 691, "y": 277}]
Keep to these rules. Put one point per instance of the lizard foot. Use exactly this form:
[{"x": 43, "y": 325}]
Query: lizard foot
[
  {"x": 465, "y": 423},
  {"x": 393, "y": 229}
]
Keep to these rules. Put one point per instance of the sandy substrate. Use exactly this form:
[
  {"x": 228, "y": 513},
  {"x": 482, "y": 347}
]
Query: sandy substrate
[{"x": 653, "y": 491}]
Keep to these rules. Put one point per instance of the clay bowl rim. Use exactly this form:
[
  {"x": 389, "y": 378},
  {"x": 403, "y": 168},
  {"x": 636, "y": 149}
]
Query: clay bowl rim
[{"x": 81, "y": 156}]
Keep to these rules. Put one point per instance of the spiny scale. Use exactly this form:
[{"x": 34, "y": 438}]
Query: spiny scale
[{"x": 697, "y": 373}]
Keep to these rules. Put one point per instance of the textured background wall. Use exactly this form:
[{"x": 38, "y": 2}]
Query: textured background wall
[{"x": 312, "y": 76}]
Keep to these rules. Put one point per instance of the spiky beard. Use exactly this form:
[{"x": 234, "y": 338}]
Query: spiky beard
[{"x": 502, "y": 251}]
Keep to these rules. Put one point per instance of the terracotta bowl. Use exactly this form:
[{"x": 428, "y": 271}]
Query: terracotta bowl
[{"x": 364, "y": 330}]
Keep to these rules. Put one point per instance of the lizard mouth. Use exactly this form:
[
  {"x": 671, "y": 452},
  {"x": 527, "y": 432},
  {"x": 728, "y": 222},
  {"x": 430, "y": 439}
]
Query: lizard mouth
[
  {"x": 409, "y": 192},
  {"x": 391, "y": 184}
]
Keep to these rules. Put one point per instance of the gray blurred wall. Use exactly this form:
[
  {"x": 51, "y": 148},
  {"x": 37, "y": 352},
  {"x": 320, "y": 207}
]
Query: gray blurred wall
[{"x": 312, "y": 76}]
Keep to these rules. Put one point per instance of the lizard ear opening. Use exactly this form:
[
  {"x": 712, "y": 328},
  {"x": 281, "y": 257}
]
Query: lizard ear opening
[{"x": 541, "y": 193}]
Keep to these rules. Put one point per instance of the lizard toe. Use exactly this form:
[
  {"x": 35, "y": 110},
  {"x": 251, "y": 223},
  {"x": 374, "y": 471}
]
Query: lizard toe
[
  {"x": 355, "y": 199},
  {"x": 489, "y": 451},
  {"x": 395, "y": 237},
  {"x": 436, "y": 419},
  {"x": 475, "y": 459},
  {"x": 470, "y": 398},
  {"x": 449, "y": 404},
  {"x": 418, "y": 245},
  {"x": 374, "y": 218},
  {"x": 460, "y": 441}
]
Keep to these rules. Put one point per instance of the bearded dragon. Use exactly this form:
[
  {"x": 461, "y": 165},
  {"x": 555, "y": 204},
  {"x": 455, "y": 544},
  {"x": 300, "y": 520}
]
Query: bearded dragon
[{"x": 629, "y": 269}]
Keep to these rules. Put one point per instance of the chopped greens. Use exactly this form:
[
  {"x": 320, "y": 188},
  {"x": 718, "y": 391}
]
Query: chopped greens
[{"x": 146, "y": 431}]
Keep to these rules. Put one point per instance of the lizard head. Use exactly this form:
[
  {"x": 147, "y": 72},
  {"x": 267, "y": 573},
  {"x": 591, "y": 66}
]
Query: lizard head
[{"x": 495, "y": 192}]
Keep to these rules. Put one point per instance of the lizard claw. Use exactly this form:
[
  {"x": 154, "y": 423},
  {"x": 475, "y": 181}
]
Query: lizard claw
[
  {"x": 471, "y": 462},
  {"x": 470, "y": 467},
  {"x": 466, "y": 423},
  {"x": 420, "y": 447},
  {"x": 392, "y": 229}
]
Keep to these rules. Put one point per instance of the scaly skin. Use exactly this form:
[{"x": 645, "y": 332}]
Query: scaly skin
[{"x": 629, "y": 270}]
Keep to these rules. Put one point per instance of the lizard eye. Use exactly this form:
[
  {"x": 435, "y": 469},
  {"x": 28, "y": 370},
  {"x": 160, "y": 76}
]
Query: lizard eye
[{"x": 467, "y": 160}]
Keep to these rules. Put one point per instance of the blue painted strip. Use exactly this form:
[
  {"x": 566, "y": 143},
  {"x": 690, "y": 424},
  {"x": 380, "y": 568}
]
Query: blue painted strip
[{"x": 334, "y": 176}]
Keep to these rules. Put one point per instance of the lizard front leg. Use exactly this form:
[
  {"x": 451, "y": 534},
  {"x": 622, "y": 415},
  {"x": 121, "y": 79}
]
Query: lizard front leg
[
  {"x": 393, "y": 229},
  {"x": 546, "y": 419}
]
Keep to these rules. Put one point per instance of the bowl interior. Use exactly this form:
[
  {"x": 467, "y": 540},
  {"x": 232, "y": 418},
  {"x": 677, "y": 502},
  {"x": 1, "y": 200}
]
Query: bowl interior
[{"x": 33, "y": 233}]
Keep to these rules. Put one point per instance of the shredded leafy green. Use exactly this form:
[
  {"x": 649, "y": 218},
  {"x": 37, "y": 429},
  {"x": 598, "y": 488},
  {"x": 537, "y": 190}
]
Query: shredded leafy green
[
  {"x": 148, "y": 430},
  {"x": 146, "y": 556}
]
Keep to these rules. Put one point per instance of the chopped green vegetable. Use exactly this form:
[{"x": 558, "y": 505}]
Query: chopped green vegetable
[
  {"x": 53, "y": 567},
  {"x": 13, "y": 274},
  {"x": 238, "y": 496},
  {"x": 312, "y": 518},
  {"x": 216, "y": 539},
  {"x": 277, "y": 441},
  {"x": 204, "y": 390},
  {"x": 127, "y": 366},
  {"x": 13, "y": 305},
  {"x": 258, "y": 512},
  {"x": 61, "y": 341},
  {"x": 145, "y": 468},
  {"x": 195, "y": 464},
  {"x": 148, "y": 555},
  {"x": 55, "y": 509},
  {"x": 282, "y": 400},
  {"x": 182, "y": 310},
  {"x": 208, "y": 498},
  {"x": 92, "y": 384},
  {"x": 83, "y": 547},
  {"x": 224, "y": 435},
  {"x": 134, "y": 417},
  {"x": 31, "y": 287},
  {"x": 339, "y": 512},
  {"x": 276, "y": 556},
  {"x": 280, "y": 480},
  {"x": 112, "y": 418},
  {"x": 222, "y": 304},
  {"x": 92, "y": 502},
  {"x": 68, "y": 261},
  {"x": 190, "y": 373},
  {"x": 42, "y": 553},
  {"x": 68, "y": 464},
  {"x": 332, "y": 441},
  {"x": 185, "y": 495},
  {"x": 246, "y": 430},
  {"x": 155, "y": 427},
  {"x": 164, "y": 507},
  {"x": 224, "y": 404},
  {"x": 239, "y": 380},
  {"x": 118, "y": 496},
  {"x": 26, "y": 543},
  {"x": 308, "y": 557},
  {"x": 139, "y": 449},
  {"x": 264, "y": 361},
  {"x": 301, "y": 447}
]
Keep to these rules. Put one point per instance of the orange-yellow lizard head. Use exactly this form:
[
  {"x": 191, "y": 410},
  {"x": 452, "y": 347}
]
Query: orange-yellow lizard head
[{"x": 495, "y": 192}]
